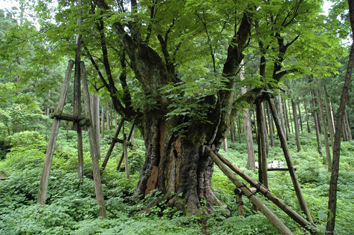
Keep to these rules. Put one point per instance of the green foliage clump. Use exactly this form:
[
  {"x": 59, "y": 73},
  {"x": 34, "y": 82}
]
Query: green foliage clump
[{"x": 252, "y": 224}]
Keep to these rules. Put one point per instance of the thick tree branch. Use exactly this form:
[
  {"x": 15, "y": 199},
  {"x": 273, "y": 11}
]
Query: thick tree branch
[
  {"x": 96, "y": 67},
  {"x": 223, "y": 108},
  {"x": 123, "y": 80}
]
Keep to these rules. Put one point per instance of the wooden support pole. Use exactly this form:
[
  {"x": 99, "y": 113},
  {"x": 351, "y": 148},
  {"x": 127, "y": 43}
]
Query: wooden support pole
[
  {"x": 129, "y": 136},
  {"x": 80, "y": 153},
  {"x": 94, "y": 149},
  {"x": 241, "y": 209},
  {"x": 77, "y": 101},
  {"x": 289, "y": 161},
  {"x": 125, "y": 153},
  {"x": 104, "y": 164},
  {"x": 252, "y": 197},
  {"x": 43, "y": 186},
  {"x": 293, "y": 214}
]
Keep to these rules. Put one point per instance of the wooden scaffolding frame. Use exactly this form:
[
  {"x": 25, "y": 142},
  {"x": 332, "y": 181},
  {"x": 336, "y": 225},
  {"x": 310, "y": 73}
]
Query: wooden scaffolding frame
[{"x": 78, "y": 122}]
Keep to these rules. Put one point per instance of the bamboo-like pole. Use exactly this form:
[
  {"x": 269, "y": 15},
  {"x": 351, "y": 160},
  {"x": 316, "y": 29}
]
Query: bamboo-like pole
[
  {"x": 251, "y": 196},
  {"x": 289, "y": 161},
  {"x": 93, "y": 146}
]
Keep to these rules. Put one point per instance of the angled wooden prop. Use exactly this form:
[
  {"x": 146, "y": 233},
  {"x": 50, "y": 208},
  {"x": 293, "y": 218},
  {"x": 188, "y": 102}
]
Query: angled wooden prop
[
  {"x": 265, "y": 191},
  {"x": 251, "y": 196}
]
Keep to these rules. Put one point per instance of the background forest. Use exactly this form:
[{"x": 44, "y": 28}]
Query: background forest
[{"x": 306, "y": 81}]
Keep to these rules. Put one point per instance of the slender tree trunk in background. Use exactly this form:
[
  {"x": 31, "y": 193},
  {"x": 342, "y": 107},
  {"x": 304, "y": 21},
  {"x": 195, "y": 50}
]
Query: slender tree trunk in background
[
  {"x": 226, "y": 149},
  {"x": 290, "y": 116},
  {"x": 328, "y": 151},
  {"x": 239, "y": 129},
  {"x": 329, "y": 116},
  {"x": 348, "y": 126},
  {"x": 262, "y": 152},
  {"x": 102, "y": 121},
  {"x": 132, "y": 140},
  {"x": 290, "y": 164},
  {"x": 286, "y": 119},
  {"x": 247, "y": 126},
  {"x": 317, "y": 127},
  {"x": 255, "y": 120},
  {"x": 107, "y": 117},
  {"x": 298, "y": 107},
  {"x": 233, "y": 132},
  {"x": 95, "y": 113},
  {"x": 249, "y": 139},
  {"x": 280, "y": 109},
  {"x": 345, "y": 128},
  {"x": 307, "y": 119},
  {"x": 265, "y": 131},
  {"x": 332, "y": 116},
  {"x": 271, "y": 127},
  {"x": 296, "y": 126},
  {"x": 345, "y": 137},
  {"x": 332, "y": 202}
]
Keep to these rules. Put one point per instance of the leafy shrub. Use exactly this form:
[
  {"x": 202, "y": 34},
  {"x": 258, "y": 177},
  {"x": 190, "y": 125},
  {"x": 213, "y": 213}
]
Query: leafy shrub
[{"x": 25, "y": 139}]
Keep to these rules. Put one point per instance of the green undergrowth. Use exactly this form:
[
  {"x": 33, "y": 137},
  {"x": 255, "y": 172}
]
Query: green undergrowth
[{"x": 71, "y": 206}]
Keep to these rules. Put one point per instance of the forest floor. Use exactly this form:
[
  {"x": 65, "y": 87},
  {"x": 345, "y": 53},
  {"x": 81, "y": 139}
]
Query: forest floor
[{"x": 71, "y": 205}]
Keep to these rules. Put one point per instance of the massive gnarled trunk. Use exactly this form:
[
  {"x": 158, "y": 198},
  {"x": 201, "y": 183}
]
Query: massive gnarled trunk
[{"x": 184, "y": 173}]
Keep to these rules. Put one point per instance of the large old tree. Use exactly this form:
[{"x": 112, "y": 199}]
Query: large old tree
[{"x": 171, "y": 66}]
